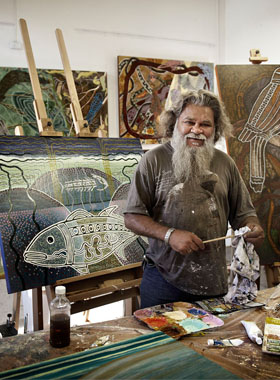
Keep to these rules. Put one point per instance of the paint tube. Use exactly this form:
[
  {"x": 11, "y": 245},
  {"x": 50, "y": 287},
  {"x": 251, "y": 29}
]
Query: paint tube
[
  {"x": 253, "y": 332},
  {"x": 224, "y": 342}
]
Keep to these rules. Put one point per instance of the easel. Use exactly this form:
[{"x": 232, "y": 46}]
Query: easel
[{"x": 99, "y": 288}]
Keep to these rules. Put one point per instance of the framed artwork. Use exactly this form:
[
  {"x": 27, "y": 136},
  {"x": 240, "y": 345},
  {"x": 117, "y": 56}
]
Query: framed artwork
[
  {"x": 143, "y": 88},
  {"x": 251, "y": 94},
  {"x": 16, "y": 100},
  {"x": 61, "y": 207}
]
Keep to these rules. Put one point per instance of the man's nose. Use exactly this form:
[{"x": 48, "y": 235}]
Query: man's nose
[{"x": 196, "y": 129}]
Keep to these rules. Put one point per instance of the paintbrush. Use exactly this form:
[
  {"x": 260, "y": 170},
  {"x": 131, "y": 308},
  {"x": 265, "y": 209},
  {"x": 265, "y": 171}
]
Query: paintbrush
[{"x": 225, "y": 237}]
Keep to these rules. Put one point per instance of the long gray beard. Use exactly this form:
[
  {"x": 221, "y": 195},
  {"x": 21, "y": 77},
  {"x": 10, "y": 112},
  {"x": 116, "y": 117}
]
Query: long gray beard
[{"x": 190, "y": 163}]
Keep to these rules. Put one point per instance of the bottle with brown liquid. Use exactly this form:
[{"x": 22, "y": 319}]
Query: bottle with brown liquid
[{"x": 60, "y": 319}]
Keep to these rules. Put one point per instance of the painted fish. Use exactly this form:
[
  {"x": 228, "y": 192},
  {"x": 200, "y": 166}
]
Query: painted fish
[{"x": 81, "y": 240}]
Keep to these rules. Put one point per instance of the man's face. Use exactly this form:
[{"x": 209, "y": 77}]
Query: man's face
[{"x": 196, "y": 123}]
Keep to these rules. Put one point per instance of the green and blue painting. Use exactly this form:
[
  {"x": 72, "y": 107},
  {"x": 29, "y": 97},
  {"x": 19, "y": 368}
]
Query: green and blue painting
[
  {"x": 16, "y": 100},
  {"x": 61, "y": 207}
]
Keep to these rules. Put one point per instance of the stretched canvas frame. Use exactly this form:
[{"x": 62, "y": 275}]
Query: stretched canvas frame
[
  {"x": 16, "y": 100},
  {"x": 251, "y": 94},
  {"x": 61, "y": 207},
  {"x": 143, "y": 87}
]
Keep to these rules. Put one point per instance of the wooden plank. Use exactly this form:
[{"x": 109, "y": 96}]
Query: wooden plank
[
  {"x": 16, "y": 308},
  {"x": 44, "y": 123},
  {"x": 91, "y": 303},
  {"x": 37, "y": 304},
  {"x": 97, "y": 292},
  {"x": 81, "y": 125}
]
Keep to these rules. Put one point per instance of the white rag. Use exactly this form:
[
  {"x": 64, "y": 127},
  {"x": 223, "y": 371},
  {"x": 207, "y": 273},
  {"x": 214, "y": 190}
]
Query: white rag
[{"x": 246, "y": 267}]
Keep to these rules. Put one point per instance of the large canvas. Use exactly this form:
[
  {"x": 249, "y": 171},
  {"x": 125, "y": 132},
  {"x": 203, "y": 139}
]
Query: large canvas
[
  {"x": 61, "y": 207},
  {"x": 16, "y": 100},
  {"x": 143, "y": 88},
  {"x": 251, "y": 94}
]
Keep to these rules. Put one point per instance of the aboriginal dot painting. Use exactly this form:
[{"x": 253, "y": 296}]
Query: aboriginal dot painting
[
  {"x": 16, "y": 100},
  {"x": 143, "y": 88},
  {"x": 61, "y": 207},
  {"x": 251, "y": 94}
]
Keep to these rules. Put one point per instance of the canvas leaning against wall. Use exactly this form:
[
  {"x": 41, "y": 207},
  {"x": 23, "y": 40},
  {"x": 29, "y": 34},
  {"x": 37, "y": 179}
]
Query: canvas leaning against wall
[
  {"x": 16, "y": 100},
  {"x": 251, "y": 94},
  {"x": 61, "y": 207},
  {"x": 143, "y": 87}
]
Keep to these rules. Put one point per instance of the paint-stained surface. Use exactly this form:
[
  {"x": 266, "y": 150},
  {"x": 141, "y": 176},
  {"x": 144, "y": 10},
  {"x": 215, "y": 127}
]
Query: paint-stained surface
[
  {"x": 61, "y": 202},
  {"x": 151, "y": 356},
  {"x": 177, "y": 319},
  {"x": 16, "y": 100},
  {"x": 143, "y": 88},
  {"x": 251, "y": 94}
]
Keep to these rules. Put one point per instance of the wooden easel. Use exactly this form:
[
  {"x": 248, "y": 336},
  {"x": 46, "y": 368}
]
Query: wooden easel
[
  {"x": 103, "y": 287},
  {"x": 81, "y": 125},
  {"x": 45, "y": 125},
  {"x": 99, "y": 288}
]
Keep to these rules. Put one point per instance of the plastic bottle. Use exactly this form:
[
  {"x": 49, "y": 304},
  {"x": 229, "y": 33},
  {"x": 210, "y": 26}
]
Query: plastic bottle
[
  {"x": 253, "y": 332},
  {"x": 60, "y": 319}
]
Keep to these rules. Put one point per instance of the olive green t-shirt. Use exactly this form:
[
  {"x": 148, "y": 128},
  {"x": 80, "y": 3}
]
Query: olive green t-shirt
[{"x": 204, "y": 208}]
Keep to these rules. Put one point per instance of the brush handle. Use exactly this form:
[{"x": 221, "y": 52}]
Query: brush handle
[{"x": 219, "y": 238}]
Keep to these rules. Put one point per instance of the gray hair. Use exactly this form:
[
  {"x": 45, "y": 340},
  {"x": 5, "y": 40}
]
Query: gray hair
[{"x": 202, "y": 98}]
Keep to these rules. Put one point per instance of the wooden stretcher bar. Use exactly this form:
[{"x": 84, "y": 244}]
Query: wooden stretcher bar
[
  {"x": 81, "y": 126},
  {"x": 45, "y": 125}
]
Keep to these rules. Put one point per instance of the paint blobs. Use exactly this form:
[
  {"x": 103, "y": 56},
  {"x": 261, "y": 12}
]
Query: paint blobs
[
  {"x": 143, "y": 313},
  {"x": 177, "y": 315},
  {"x": 211, "y": 320},
  {"x": 193, "y": 325},
  {"x": 156, "y": 322},
  {"x": 178, "y": 319},
  {"x": 196, "y": 311}
]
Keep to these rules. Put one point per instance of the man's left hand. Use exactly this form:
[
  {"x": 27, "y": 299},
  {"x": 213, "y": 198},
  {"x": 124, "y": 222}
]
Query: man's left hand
[{"x": 256, "y": 235}]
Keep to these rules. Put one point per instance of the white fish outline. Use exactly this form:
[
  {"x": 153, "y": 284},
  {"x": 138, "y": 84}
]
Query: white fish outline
[{"x": 82, "y": 239}]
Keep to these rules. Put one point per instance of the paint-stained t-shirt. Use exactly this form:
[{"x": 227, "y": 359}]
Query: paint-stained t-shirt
[{"x": 204, "y": 208}]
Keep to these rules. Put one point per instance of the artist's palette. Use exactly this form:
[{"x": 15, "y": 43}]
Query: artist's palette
[{"x": 177, "y": 319}]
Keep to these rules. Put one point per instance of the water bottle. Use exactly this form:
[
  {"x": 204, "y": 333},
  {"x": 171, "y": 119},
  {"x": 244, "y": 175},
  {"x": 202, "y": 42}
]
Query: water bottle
[{"x": 60, "y": 319}]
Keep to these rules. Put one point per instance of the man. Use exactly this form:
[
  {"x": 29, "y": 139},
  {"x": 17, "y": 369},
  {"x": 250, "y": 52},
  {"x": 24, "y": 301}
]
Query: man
[{"x": 183, "y": 193}]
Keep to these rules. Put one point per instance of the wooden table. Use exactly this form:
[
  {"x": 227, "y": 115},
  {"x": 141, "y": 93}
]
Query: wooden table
[{"x": 246, "y": 361}]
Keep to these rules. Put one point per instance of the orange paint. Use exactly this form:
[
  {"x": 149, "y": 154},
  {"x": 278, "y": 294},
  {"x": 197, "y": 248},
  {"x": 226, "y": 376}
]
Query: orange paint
[{"x": 156, "y": 322}]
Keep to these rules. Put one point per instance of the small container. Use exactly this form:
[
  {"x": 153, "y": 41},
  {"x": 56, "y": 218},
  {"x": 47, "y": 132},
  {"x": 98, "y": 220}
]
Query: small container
[{"x": 60, "y": 319}]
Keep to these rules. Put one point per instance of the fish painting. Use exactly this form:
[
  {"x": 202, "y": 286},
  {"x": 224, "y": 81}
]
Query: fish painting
[{"x": 80, "y": 241}]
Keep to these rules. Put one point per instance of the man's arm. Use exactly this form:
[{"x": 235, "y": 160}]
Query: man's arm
[
  {"x": 180, "y": 241},
  {"x": 256, "y": 235}
]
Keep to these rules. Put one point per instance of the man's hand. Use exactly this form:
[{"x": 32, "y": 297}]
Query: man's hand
[
  {"x": 185, "y": 242},
  {"x": 256, "y": 235}
]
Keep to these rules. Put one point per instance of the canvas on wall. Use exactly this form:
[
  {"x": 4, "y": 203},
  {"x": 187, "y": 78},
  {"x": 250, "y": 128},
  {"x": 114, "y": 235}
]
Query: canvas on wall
[
  {"x": 16, "y": 100},
  {"x": 143, "y": 88},
  {"x": 61, "y": 207},
  {"x": 251, "y": 94}
]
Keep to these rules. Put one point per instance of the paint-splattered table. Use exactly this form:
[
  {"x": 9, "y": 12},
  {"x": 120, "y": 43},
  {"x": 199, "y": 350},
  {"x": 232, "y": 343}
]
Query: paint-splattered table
[{"x": 246, "y": 361}]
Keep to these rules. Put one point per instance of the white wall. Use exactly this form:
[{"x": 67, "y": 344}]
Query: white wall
[
  {"x": 251, "y": 24},
  {"x": 96, "y": 32}
]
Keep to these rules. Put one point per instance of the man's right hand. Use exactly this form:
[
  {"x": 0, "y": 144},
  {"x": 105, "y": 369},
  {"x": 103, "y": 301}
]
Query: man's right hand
[{"x": 185, "y": 242}]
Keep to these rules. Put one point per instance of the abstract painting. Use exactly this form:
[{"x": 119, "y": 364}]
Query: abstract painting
[
  {"x": 143, "y": 88},
  {"x": 149, "y": 356},
  {"x": 251, "y": 94},
  {"x": 16, "y": 100},
  {"x": 61, "y": 207}
]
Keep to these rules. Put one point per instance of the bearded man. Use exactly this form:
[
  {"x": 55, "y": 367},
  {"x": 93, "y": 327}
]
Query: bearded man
[{"x": 184, "y": 192}]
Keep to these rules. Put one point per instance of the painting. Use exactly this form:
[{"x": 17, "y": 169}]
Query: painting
[
  {"x": 16, "y": 100},
  {"x": 143, "y": 88},
  {"x": 177, "y": 319},
  {"x": 149, "y": 356},
  {"x": 251, "y": 94},
  {"x": 61, "y": 207}
]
